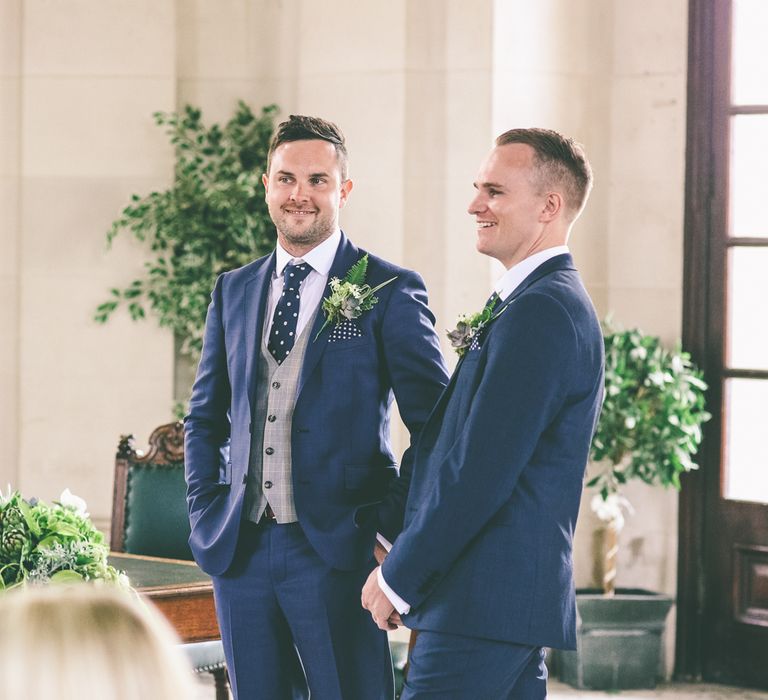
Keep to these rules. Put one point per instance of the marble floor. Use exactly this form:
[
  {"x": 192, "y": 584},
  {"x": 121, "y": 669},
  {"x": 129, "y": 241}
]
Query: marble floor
[{"x": 670, "y": 691}]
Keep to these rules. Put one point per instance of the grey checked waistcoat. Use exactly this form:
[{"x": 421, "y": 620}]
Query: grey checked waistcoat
[{"x": 269, "y": 465}]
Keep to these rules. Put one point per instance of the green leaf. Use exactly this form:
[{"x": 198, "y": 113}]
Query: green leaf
[
  {"x": 357, "y": 272},
  {"x": 26, "y": 511},
  {"x": 211, "y": 219},
  {"x": 66, "y": 576}
]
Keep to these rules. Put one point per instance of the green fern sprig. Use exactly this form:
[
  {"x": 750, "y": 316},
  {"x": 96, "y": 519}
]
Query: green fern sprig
[{"x": 356, "y": 274}]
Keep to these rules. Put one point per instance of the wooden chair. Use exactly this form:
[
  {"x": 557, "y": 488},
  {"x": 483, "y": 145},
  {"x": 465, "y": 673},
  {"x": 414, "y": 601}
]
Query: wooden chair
[{"x": 149, "y": 516}]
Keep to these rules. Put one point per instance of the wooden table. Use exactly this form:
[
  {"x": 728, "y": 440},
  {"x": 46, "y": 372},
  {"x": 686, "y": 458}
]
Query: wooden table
[{"x": 180, "y": 589}]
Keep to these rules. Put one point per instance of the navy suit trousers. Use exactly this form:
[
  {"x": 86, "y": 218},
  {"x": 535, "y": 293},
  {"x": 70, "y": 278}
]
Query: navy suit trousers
[
  {"x": 292, "y": 624},
  {"x": 452, "y": 667}
]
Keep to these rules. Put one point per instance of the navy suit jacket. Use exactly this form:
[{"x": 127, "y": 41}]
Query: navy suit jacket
[
  {"x": 498, "y": 473},
  {"x": 345, "y": 479}
]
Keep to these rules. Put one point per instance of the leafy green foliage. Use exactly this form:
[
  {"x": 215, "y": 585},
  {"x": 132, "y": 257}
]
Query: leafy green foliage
[
  {"x": 41, "y": 543},
  {"x": 212, "y": 219},
  {"x": 650, "y": 425}
]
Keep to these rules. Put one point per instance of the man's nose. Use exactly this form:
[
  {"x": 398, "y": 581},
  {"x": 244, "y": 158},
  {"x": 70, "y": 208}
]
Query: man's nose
[
  {"x": 297, "y": 193},
  {"x": 476, "y": 205}
]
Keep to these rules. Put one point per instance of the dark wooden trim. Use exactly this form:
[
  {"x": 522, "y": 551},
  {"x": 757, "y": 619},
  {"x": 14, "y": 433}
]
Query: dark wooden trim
[
  {"x": 748, "y": 109},
  {"x": 119, "y": 494},
  {"x": 745, "y": 374},
  {"x": 703, "y": 279},
  {"x": 746, "y": 241}
]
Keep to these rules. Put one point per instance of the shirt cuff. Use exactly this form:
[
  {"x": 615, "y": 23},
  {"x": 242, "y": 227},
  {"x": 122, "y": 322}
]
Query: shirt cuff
[
  {"x": 400, "y": 605},
  {"x": 383, "y": 541}
]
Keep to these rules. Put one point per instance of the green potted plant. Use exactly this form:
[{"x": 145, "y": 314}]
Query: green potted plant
[
  {"x": 212, "y": 218},
  {"x": 649, "y": 429},
  {"x": 51, "y": 543}
]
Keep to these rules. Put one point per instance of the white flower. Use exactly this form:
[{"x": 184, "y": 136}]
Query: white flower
[
  {"x": 656, "y": 378},
  {"x": 69, "y": 500},
  {"x": 629, "y": 422},
  {"x": 609, "y": 510},
  {"x": 638, "y": 353}
]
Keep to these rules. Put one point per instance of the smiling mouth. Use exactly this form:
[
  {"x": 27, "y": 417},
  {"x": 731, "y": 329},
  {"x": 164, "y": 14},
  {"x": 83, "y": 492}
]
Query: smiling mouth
[
  {"x": 485, "y": 224},
  {"x": 298, "y": 212}
]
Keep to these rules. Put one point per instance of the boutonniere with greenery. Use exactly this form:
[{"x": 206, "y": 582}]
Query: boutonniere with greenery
[
  {"x": 351, "y": 296},
  {"x": 41, "y": 543},
  {"x": 469, "y": 326}
]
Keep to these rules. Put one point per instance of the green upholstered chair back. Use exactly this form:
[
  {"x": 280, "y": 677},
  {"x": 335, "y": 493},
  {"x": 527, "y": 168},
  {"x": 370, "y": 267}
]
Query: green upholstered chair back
[{"x": 149, "y": 508}]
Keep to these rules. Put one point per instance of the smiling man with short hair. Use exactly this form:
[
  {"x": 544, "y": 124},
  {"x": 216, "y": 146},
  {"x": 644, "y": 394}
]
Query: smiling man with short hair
[
  {"x": 483, "y": 567},
  {"x": 290, "y": 470}
]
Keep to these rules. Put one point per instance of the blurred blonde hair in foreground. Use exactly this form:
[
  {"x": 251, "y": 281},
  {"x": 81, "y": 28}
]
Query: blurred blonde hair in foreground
[{"x": 87, "y": 642}]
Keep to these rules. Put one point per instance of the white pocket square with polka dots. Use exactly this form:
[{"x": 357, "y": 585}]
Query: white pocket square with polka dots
[{"x": 346, "y": 330}]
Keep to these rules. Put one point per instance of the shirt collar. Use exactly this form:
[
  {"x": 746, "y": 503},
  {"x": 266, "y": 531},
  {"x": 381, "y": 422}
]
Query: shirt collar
[
  {"x": 511, "y": 279},
  {"x": 320, "y": 257}
]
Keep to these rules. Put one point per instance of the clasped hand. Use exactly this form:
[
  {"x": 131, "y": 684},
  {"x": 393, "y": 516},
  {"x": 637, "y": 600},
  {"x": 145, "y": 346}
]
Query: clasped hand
[{"x": 375, "y": 601}]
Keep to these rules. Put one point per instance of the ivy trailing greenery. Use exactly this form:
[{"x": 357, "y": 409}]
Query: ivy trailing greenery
[
  {"x": 650, "y": 425},
  {"x": 213, "y": 218}
]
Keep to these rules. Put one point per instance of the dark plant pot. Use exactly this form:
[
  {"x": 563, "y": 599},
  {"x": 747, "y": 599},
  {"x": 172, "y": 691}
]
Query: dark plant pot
[{"x": 618, "y": 640}]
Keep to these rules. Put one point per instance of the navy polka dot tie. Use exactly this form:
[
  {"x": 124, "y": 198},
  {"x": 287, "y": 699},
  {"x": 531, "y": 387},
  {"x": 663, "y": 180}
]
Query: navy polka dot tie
[{"x": 282, "y": 335}]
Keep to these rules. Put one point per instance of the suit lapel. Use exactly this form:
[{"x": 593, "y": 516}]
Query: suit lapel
[
  {"x": 346, "y": 256},
  {"x": 559, "y": 262},
  {"x": 254, "y": 306}
]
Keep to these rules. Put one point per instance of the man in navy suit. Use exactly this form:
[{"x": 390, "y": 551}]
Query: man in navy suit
[
  {"x": 290, "y": 471},
  {"x": 483, "y": 567}
]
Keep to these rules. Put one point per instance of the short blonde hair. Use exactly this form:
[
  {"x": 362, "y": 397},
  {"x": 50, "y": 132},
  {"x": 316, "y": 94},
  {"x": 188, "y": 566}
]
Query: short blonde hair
[{"x": 88, "y": 642}]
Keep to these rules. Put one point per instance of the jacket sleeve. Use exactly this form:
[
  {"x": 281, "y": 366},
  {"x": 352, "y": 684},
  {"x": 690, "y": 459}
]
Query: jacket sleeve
[
  {"x": 418, "y": 375},
  {"x": 530, "y": 354},
  {"x": 207, "y": 427}
]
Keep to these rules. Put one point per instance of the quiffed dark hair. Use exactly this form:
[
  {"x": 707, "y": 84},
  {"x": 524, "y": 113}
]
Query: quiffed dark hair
[
  {"x": 301, "y": 128},
  {"x": 558, "y": 161}
]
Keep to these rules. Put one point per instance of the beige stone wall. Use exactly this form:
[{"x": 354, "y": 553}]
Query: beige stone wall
[
  {"x": 10, "y": 103},
  {"x": 85, "y": 79}
]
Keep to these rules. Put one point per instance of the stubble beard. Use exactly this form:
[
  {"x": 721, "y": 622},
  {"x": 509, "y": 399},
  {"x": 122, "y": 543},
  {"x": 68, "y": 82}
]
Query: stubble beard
[{"x": 311, "y": 236}]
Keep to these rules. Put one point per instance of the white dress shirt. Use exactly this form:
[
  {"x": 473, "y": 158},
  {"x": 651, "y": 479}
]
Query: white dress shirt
[
  {"x": 506, "y": 284},
  {"x": 320, "y": 259},
  {"x": 512, "y": 278}
]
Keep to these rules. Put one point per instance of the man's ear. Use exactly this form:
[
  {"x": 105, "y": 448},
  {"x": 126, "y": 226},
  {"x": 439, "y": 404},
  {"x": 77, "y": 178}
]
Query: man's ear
[
  {"x": 553, "y": 206},
  {"x": 265, "y": 182},
  {"x": 346, "y": 188}
]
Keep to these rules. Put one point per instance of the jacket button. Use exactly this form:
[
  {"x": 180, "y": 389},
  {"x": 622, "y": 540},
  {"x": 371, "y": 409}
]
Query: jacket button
[
  {"x": 267, "y": 484},
  {"x": 271, "y": 419},
  {"x": 270, "y": 451},
  {"x": 275, "y": 385}
]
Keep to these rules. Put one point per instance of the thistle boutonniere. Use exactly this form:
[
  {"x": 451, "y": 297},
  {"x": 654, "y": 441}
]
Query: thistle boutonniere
[
  {"x": 469, "y": 326},
  {"x": 351, "y": 296}
]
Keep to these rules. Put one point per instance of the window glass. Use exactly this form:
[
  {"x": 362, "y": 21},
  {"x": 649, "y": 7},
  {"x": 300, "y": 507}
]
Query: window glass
[
  {"x": 747, "y": 334},
  {"x": 749, "y": 79},
  {"x": 749, "y": 174},
  {"x": 746, "y": 448}
]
